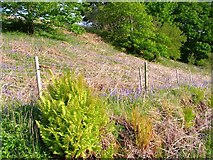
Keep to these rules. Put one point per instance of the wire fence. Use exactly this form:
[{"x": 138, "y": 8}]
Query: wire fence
[{"x": 18, "y": 80}]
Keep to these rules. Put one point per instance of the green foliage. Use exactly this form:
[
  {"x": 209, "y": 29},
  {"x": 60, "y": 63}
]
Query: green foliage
[
  {"x": 162, "y": 11},
  {"x": 126, "y": 25},
  {"x": 209, "y": 144},
  {"x": 197, "y": 94},
  {"x": 76, "y": 29},
  {"x": 27, "y": 14},
  {"x": 195, "y": 20},
  {"x": 20, "y": 137},
  {"x": 51, "y": 33},
  {"x": 189, "y": 116},
  {"x": 170, "y": 39},
  {"x": 74, "y": 121}
]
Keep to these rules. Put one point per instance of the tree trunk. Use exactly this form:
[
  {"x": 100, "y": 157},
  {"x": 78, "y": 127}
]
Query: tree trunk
[{"x": 30, "y": 27}]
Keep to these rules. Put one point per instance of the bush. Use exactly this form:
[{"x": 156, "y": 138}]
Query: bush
[
  {"x": 76, "y": 29},
  {"x": 74, "y": 122},
  {"x": 125, "y": 25},
  {"x": 197, "y": 94}
]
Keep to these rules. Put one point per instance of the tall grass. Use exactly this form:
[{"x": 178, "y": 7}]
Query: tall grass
[
  {"x": 172, "y": 123},
  {"x": 19, "y": 133}
]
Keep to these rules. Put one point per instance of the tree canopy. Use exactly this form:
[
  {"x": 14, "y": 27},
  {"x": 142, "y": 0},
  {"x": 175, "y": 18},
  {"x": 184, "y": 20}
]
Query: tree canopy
[
  {"x": 195, "y": 21},
  {"x": 130, "y": 27},
  {"x": 29, "y": 13}
]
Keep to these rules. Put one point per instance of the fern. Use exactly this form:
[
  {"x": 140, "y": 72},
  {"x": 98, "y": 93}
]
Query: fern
[{"x": 73, "y": 120}]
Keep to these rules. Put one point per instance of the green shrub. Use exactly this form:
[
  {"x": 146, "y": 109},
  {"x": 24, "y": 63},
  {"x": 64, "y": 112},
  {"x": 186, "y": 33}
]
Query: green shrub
[
  {"x": 74, "y": 122},
  {"x": 76, "y": 29},
  {"x": 170, "y": 38},
  {"x": 209, "y": 144},
  {"x": 148, "y": 55}
]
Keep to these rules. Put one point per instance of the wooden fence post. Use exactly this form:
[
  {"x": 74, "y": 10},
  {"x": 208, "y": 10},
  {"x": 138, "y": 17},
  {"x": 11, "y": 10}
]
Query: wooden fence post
[
  {"x": 191, "y": 77},
  {"x": 146, "y": 76},
  {"x": 38, "y": 76},
  {"x": 177, "y": 76},
  {"x": 140, "y": 78}
]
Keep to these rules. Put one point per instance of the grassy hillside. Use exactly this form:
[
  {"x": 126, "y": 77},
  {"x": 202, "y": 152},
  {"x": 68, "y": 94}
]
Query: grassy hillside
[
  {"x": 172, "y": 121},
  {"x": 103, "y": 66}
]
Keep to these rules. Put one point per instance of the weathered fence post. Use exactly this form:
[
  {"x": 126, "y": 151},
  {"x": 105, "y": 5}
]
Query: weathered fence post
[
  {"x": 38, "y": 76},
  {"x": 146, "y": 76},
  {"x": 140, "y": 78},
  {"x": 177, "y": 76},
  {"x": 191, "y": 77}
]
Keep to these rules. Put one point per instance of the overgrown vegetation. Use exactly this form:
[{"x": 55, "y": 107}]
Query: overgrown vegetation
[
  {"x": 167, "y": 124},
  {"x": 154, "y": 30},
  {"x": 132, "y": 30},
  {"x": 74, "y": 123},
  {"x": 24, "y": 16},
  {"x": 114, "y": 120}
]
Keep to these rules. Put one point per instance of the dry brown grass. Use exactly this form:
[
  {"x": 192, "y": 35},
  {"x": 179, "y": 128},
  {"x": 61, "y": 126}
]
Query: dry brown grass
[{"x": 103, "y": 67}]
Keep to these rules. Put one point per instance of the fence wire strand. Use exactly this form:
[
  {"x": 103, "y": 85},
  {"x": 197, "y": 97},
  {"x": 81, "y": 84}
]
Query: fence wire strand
[{"x": 19, "y": 80}]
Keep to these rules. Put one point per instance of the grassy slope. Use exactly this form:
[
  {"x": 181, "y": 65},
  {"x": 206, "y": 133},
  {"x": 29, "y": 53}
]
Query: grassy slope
[
  {"x": 106, "y": 67},
  {"x": 103, "y": 66}
]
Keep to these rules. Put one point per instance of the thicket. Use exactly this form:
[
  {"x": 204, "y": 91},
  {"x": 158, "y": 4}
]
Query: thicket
[
  {"x": 195, "y": 21},
  {"x": 26, "y": 16},
  {"x": 129, "y": 27}
]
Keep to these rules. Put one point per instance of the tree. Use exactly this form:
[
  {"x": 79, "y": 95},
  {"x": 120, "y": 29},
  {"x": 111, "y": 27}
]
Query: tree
[
  {"x": 126, "y": 25},
  {"x": 162, "y": 11},
  {"x": 171, "y": 37},
  {"x": 195, "y": 20},
  {"x": 29, "y": 13}
]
